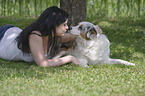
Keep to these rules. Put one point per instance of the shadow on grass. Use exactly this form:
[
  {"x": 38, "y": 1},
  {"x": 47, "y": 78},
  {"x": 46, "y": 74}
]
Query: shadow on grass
[
  {"x": 20, "y": 22},
  {"x": 126, "y": 35},
  {"x": 107, "y": 66}
]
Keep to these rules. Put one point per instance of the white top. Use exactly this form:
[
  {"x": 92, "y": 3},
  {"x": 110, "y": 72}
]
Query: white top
[{"x": 9, "y": 49}]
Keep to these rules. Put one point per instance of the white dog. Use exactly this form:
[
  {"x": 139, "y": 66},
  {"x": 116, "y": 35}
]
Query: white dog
[{"x": 91, "y": 46}]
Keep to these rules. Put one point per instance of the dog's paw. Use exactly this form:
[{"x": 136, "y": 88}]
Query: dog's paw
[{"x": 85, "y": 66}]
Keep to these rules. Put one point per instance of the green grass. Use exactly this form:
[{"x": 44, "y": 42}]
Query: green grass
[{"x": 127, "y": 42}]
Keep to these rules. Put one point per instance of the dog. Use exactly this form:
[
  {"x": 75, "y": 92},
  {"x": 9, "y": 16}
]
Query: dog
[{"x": 91, "y": 46}]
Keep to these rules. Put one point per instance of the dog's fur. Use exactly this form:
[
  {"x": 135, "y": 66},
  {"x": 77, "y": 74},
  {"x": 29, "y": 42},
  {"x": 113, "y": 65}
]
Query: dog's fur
[{"x": 91, "y": 46}]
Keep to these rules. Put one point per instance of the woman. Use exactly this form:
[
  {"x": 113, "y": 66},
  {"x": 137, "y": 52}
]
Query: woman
[{"x": 39, "y": 40}]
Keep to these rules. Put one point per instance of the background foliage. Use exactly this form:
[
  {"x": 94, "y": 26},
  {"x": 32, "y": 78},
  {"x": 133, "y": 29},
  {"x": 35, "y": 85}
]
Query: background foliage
[{"x": 106, "y": 8}]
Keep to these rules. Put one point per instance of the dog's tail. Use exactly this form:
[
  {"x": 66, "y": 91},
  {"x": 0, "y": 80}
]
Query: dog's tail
[{"x": 118, "y": 61}]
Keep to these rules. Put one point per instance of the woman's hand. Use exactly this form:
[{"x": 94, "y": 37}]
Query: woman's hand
[{"x": 74, "y": 60}]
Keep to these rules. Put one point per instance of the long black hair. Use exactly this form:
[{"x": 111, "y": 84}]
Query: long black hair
[{"x": 46, "y": 24}]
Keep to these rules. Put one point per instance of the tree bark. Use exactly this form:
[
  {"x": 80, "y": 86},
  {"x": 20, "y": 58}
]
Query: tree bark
[{"x": 76, "y": 10}]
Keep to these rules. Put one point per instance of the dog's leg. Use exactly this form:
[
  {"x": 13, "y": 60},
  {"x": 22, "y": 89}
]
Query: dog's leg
[
  {"x": 60, "y": 54},
  {"x": 118, "y": 61},
  {"x": 63, "y": 51}
]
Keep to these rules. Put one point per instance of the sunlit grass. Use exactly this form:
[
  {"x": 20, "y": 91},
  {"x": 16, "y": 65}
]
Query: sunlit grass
[{"x": 127, "y": 43}]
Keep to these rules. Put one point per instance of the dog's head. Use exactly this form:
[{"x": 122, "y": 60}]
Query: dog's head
[{"x": 86, "y": 30}]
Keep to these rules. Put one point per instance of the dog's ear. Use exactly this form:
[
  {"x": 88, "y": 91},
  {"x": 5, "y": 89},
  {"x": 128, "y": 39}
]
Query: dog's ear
[
  {"x": 84, "y": 35},
  {"x": 98, "y": 29}
]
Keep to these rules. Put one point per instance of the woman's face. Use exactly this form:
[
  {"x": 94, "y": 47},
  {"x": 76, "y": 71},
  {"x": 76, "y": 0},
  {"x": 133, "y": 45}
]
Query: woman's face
[{"x": 61, "y": 29}]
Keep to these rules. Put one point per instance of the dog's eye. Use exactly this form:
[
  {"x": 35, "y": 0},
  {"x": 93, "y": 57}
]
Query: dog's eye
[
  {"x": 80, "y": 27},
  {"x": 93, "y": 31}
]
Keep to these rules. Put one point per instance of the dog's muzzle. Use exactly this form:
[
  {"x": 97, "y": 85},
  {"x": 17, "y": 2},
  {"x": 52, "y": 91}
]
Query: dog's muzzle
[{"x": 69, "y": 29}]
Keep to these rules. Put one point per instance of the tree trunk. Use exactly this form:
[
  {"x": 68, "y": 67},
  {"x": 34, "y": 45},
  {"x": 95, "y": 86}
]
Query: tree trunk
[{"x": 76, "y": 10}]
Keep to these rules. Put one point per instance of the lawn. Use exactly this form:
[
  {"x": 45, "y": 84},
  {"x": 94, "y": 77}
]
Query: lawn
[{"x": 127, "y": 37}]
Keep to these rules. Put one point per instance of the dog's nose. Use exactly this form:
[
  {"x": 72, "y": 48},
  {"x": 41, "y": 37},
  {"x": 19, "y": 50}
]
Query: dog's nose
[{"x": 69, "y": 28}]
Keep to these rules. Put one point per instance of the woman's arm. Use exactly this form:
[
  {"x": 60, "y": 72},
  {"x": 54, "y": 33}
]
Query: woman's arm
[
  {"x": 36, "y": 48},
  {"x": 61, "y": 61},
  {"x": 68, "y": 38}
]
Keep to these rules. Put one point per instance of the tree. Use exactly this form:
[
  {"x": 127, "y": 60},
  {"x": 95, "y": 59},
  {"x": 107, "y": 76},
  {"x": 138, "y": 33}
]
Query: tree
[{"x": 76, "y": 10}]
